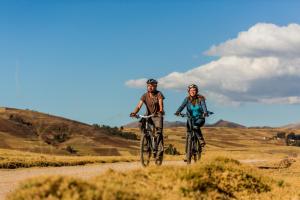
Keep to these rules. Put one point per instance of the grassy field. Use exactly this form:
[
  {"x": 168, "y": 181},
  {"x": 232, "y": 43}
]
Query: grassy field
[
  {"x": 217, "y": 178},
  {"x": 241, "y": 144},
  {"x": 269, "y": 165},
  {"x": 11, "y": 159},
  {"x": 271, "y": 157}
]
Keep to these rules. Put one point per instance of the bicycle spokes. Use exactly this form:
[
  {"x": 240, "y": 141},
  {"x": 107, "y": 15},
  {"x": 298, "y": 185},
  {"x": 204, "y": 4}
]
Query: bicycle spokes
[
  {"x": 194, "y": 148},
  {"x": 160, "y": 150},
  {"x": 145, "y": 150}
]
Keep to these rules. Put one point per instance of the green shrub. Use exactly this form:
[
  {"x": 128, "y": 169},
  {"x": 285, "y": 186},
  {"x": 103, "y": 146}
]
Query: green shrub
[
  {"x": 71, "y": 149},
  {"x": 171, "y": 150},
  {"x": 115, "y": 131}
]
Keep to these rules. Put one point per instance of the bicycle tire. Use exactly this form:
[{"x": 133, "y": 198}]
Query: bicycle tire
[
  {"x": 160, "y": 150},
  {"x": 145, "y": 150},
  {"x": 189, "y": 150},
  {"x": 197, "y": 154}
]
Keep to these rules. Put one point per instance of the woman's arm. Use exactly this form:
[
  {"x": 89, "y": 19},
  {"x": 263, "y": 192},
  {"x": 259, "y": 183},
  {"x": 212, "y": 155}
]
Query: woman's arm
[
  {"x": 183, "y": 105},
  {"x": 203, "y": 105}
]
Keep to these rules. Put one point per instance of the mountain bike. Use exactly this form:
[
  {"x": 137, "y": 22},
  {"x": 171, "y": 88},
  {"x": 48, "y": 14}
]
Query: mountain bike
[
  {"x": 194, "y": 148},
  {"x": 151, "y": 143}
]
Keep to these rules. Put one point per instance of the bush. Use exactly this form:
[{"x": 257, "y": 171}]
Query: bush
[
  {"x": 55, "y": 188},
  {"x": 115, "y": 131},
  {"x": 20, "y": 120},
  {"x": 226, "y": 178},
  {"x": 71, "y": 150},
  {"x": 171, "y": 150},
  {"x": 281, "y": 134}
]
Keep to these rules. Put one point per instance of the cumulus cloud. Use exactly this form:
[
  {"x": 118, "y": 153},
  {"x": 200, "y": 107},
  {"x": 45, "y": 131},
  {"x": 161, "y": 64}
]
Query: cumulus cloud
[
  {"x": 259, "y": 65},
  {"x": 136, "y": 83},
  {"x": 262, "y": 40}
]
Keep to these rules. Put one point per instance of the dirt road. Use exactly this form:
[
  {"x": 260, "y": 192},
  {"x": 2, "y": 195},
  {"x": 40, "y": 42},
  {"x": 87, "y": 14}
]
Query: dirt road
[{"x": 9, "y": 179}]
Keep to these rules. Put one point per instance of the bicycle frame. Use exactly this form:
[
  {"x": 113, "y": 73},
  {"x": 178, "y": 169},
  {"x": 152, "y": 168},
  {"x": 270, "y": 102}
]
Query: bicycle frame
[
  {"x": 152, "y": 142},
  {"x": 148, "y": 129},
  {"x": 193, "y": 147}
]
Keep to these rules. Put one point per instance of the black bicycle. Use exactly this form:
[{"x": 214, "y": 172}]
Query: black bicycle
[
  {"x": 194, "y": 148},
  {"x": 151, "y": 143}
]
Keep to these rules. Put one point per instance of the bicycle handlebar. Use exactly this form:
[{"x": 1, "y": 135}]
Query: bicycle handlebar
[
  {"x": 145, "y": 116},
  {"x": 188, "y": 116}
]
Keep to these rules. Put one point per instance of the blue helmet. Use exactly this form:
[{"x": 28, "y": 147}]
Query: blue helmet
[{"x": 152, "y": 81}]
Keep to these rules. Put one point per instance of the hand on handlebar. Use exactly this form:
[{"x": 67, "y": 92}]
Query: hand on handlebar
[
  {"x": 161, "y": 113},
  {"x": 178, "y": 114},
  {"x": 133, "y": 114}
]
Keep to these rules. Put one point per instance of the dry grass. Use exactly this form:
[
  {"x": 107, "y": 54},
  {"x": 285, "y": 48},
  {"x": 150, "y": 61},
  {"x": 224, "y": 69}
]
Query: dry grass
[
  {"x": 11, "y": 159},
  {"x": 219, "y": 178},
  {"x": 223, "y": 179}
]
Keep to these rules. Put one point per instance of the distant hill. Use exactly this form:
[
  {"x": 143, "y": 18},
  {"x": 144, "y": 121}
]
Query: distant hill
[
  {"x": 33, "y": 131},
  {"x": 223, "y": 123},
  {"x": 168, "y": 124},
  {"x": 292, "y": 126}
]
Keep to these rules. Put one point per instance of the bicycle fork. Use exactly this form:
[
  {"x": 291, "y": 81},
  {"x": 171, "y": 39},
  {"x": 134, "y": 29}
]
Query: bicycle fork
[{"x": 154, "y": 143}]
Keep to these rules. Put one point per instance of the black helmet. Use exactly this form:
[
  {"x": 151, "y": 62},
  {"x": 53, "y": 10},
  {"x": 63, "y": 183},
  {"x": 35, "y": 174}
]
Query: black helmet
[
  {"x": 152, "y": 81},
  {"x": 192, "y": 86}
]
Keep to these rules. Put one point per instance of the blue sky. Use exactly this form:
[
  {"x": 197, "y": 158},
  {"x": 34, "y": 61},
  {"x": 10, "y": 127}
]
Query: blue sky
[{"x": 72, "y": 58}]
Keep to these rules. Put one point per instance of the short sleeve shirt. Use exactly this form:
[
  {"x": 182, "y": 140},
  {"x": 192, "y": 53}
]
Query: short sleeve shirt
[{"x": 152, "y": 101}]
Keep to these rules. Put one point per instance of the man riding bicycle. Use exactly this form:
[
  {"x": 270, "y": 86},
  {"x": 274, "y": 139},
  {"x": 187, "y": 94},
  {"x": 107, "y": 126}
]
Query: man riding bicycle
[
  {"x": 153, "y": 99},
  {"x": 197, "y": 110}
]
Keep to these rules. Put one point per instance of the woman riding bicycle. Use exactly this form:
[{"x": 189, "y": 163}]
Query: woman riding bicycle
[{"x": 197, "y": 110}]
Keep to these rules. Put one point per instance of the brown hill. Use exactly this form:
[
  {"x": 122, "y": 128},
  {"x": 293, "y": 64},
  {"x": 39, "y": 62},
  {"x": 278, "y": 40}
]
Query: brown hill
[
  {"x": 292, "y": 126},
  {"x": 223, "y": 123},
  {"x": 38, "y": 132},
  {"x": 167, "y": 124}
]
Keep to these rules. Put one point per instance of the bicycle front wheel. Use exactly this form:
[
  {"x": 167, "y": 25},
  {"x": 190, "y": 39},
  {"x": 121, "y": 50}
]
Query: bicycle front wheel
[
  {"x": 189, "y": 151},
  {"x": 198, "y": 150},
  {"x": 160, "y": 150},
  {"x": 145, "y": 149}
]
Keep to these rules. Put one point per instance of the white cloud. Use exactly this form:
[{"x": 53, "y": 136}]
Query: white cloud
[
  {"x": 262, "y": 40},
  {"x": 260, "y": 65},
  {"x": 136, "y": 83}
]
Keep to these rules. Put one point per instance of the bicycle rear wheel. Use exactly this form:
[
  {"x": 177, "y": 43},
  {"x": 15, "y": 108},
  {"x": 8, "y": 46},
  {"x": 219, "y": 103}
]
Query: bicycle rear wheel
[
  {"x": 160, "y": 150},
  {"x": 145, "y": 149}
]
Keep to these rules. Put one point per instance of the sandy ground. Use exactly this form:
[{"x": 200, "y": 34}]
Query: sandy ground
[{"x": 9, "y": 179}]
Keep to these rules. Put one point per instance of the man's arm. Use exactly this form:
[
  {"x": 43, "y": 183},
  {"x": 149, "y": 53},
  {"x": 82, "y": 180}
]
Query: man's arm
[
  {"x": 161, "y": 105},
  {"x": 138, "y": 107}
]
